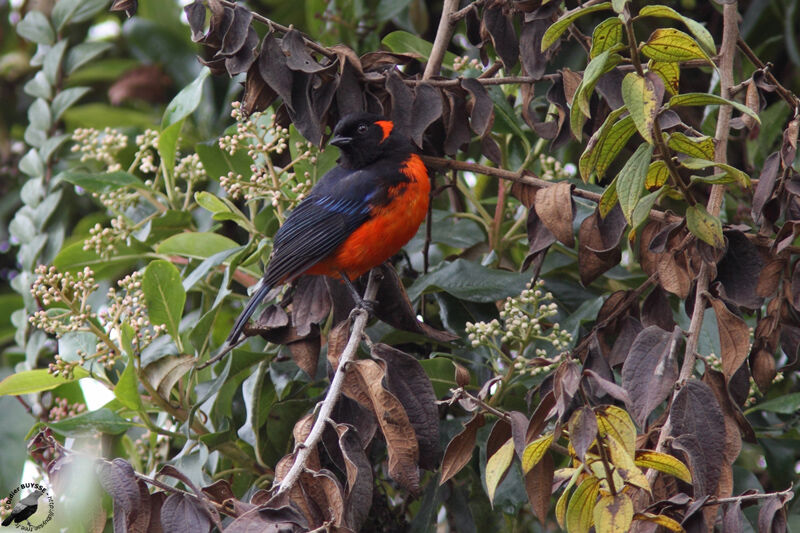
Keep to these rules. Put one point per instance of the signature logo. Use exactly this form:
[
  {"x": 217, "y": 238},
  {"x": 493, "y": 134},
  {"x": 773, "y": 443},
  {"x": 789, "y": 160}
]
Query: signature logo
[{"x": 24, "y": 513}]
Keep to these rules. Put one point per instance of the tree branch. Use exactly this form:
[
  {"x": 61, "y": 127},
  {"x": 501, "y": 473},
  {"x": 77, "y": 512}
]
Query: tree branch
[
  {"x": 442, "y": 41},
  {"x": 305, "y": 449}
]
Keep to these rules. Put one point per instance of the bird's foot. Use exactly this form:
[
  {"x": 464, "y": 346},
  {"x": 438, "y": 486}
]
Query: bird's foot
[{"x": 366, "y": 305}]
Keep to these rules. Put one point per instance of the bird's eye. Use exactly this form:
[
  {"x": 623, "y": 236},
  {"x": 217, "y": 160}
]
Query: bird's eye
[{"x": 362, "y": 128}]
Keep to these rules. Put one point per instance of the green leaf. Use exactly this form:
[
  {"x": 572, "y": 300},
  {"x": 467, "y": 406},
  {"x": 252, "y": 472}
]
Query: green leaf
[
  {"x": 702, "y": 147},
  {"x": 671, "y": 45},
  {"x": 560, "y": 26},
  {"x": 186, "y": 101},
  {"x": 35, "y": 27},
  {"x": 164, "y": 295},
  {"x": 619, "y": 5},
  {"x": 63, "y": 11},
  {"x": 700, "y": 32},
  {"x": 580, "y": 101},
  {"x": 37, "y": 380},
  {"x": 643, "y": 207},
  {"x": 217, "y": 162},
  {"x": 640, "y": 99},
  {"x": 83, "y": 53},
  {"x": 210, "y": 202},
  {"x": 606, "y": 35},
  {"x": 73, "y": 258},
  {"x": 99, "y": 116},
  {"x": 66, "y": 99},
  {"x": 609, "y": 198},
  {"x": 605, "y": 144},
  {"x": 126, "y": 389},
  {"x": 704, "y": 225},
  {"x": 703, "y": 99},
  {"x": 100, "y": 183},
  {"x": 403, "y": 42},
  {"x": 496, "y": 466},
  {"x": 199, "y": 245},
  {"x": 630, "y": 180},
  {"x": 39, "y": 87},
  {"x": 788, "y": 404},
  {"x": 103, "y": 420},
  {"x": 729, "y": 175},
  {"x": 470, "y": 281}
]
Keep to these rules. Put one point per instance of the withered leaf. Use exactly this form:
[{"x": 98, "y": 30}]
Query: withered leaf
[
  {"x": 699, "y": 429},
  {"x": 582, "y": 430},
  {"x": 764, "y": 369},
  {"x": 656, "y": 310},
  {"x": 257, "y": 94},
  {"x": 539, "y": 238},
  {"x": 734, "y": 337},
  {"x": 273, "y": 69},
  {"x": 347, "y": 411},
  {"x": 402, "y": 101},
  {"x": 146, "y": 82},
  {"x": 673, "y": 273},
  {"x": 128, "y": 6},
  {"x": 459, "y": 450},
  {"x": 337, "y": 340},
  {"x": 789, "y": 145},
  {"x": 311, "y": 303},
  {"x": 538, "y": 483},
  {"x": 770, "y": 277},
  {"x": 772, "y": 516},
  {"x": 301, "y": 110},
  {"x": 259, "y": 519},
  {"x": 244, "y": 56},
  {"x": 525, "y": 193},
  {"x": 326, "y": 493},
  {"x": 565, "y": 384},
  {"x": 630, "y": 327},
  {"x": 219, "y": 491},
  {"x": 349, "y": 96},
  {"x": 650, "y": 371},
  {"x": 426, "y": 110},
  {"x": 554, "y": 207},
  {"x": 407, "y": 380},
  {"x": 594, "y": 257},
  {"x": 739, "y": 270},
  {"x": 183, "y": 513},
  {"x": 364, "y": 384},
  {"x": 504, "y": 38},
  {"x": 297, "y": 55},
  {"x": 736, "y": 425},
  {"x": 196, "y": 16},
  {"x": 765, "y": 186},
  {"x": 482, "y": 113},
  {"x": 358, "y": 497},
  {"x": 607, "y": 386},
  {"x": 530, "y": 47},
  {"x": 119, "y": 480},
  {"x": 456, "y": 123},
  {"x": 540, "y": 416},
  {"x": 519, "y": 430},
  {"x": 236, "y": 36}
]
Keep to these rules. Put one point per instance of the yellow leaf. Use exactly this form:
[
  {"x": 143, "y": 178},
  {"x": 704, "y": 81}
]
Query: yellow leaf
[
  {"x": 663, "y": 463},
  {"x": 625, "y": 465},
  {"x": 579, "y": 511},
  {"x": 608, "y": 199},
  {"x": 640, "y": 99},
  {"x": 534, "y": 452},
  {"x": 661, "y": 520},
  {"x": 704, "y": 225},
  {"x": 561, "y": 504},
  {"x": 616, "y": 422},
  {"x": 605, "y": 36},
  {"x": 671, "y": 45},
  {"x": 657, "y": 175},
  {"x": 669, "y": 72},
  {"x": 702, "y": 147},
  {"x": 613, "y": 514},
  {"x": 497, "y": 465}
]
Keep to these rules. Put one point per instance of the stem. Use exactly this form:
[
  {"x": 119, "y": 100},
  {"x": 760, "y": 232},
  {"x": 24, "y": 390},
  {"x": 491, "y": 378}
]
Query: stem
[
  {"x": 304, "y": 449},
  {"x": 443, "y": 35}
]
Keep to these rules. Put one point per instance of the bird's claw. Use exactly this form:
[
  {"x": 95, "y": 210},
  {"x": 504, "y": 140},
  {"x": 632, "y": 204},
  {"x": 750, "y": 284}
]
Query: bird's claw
[{"x": 366, "y": 305}]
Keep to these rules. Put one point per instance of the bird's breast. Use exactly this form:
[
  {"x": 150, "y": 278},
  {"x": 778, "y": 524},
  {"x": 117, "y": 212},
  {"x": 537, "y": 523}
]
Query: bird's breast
[{"x": 389, "y": 227}]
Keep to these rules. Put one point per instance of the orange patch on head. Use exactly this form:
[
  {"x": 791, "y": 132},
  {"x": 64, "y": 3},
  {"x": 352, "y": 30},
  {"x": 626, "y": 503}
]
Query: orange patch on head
[{"x": 386, "y": 126}]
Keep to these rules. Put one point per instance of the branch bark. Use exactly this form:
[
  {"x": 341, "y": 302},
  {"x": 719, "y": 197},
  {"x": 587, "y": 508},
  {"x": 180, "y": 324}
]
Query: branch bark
[
  {"x": 442, "y": 41},
  {"x": 304, "y": 449}
]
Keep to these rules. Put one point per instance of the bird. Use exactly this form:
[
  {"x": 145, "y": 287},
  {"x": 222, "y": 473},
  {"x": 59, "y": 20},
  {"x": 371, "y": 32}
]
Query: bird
[
  {"x": 357, "y": 216},
  {"x": 24, "y": 508}
]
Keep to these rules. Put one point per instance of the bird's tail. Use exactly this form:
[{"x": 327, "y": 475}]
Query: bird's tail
[{"x": 248, "y": 311}]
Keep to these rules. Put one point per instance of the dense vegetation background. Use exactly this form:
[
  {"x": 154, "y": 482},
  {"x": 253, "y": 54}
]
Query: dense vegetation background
[{"x": 596, "y": 327}]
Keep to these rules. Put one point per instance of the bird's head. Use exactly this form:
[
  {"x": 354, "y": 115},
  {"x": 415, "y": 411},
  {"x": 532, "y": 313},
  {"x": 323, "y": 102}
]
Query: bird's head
[{"x": 363, "y": 138}]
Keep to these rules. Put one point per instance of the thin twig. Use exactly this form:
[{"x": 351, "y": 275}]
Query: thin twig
[
  {"x": 750, "y": 497},
  {"x": 326, "y": 408},
  {"x": 442, "y": 41},
  {"x": 464, "y": 11},
  {"x": 789, "y": 97}
]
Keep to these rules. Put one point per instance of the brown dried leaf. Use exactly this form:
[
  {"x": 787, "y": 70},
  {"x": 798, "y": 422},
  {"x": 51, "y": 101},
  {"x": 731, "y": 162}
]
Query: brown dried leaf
[
  {"x": 257, "y": 94},
  {"x": 326, "y": 493},
  {"x": 482, "y": 114},
  {"x": 770, "y": 277},
  {"x": 459, "y": 450},
  {"x": 565, "y": 384},
  {"x": 650, "y": 371},
  {"x": 426, "y": 110},
  {"x": 337, "y": 340},
  {"x": 656, "y": 310},
  {"x": 358, "y": 497},
  {"x": 407, "y": 380},
  {"x": 739, "y": 270},
  {"x": 311, "y": 303},
  {"x": 146, "y": 82},
  {"x": 766, "y": 186},
  {"x": 364, "y": 384},
  {"x": 504, "y": 38},
  {"x": 594, "y": 255},
  {"x": 763, "y": 368},
  {"x": 183, "y": 513},
  {"x": 582, "y": 430},
  {"x": 789, "y": 145},
  {"x": 554, "y": 207},
  {"x": 462, "y": 377},
  {"x": 540, "y": 417},
  {"x": 455, "y": 121},
  {"x": 772, "y": 515},
  {"x": 538, "y": 483},
  {"x": 734, "y": 337}
]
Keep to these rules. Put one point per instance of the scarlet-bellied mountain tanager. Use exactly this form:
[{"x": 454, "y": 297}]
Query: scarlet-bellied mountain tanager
[{"x": 357, "y": 216}]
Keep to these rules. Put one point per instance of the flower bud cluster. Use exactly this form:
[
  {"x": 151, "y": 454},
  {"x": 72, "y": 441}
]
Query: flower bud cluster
[
  {"x": 101, "y": 146},
  {"x": 278, "y": 186},
  {"x": 70, "y": 291},
  {"x": 104, "y": 241},
  {"x": 552, "y": 169},
  {"x": 127, "y": 306},
  {"x": 523, "y": 329},
  {"x": 62, "y": 409},
  {"x": 191, "y": 169},
  {"x": 464, "y": 62},
  {"x": 147, "y": 146}
]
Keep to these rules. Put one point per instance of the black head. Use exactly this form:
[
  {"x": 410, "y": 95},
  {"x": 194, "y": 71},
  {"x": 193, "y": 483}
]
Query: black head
[{"x": 363, "y": 138}]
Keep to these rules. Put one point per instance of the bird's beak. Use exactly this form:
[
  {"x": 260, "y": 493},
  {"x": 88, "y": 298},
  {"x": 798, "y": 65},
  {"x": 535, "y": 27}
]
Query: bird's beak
[{"x": 341, "y": 141}]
